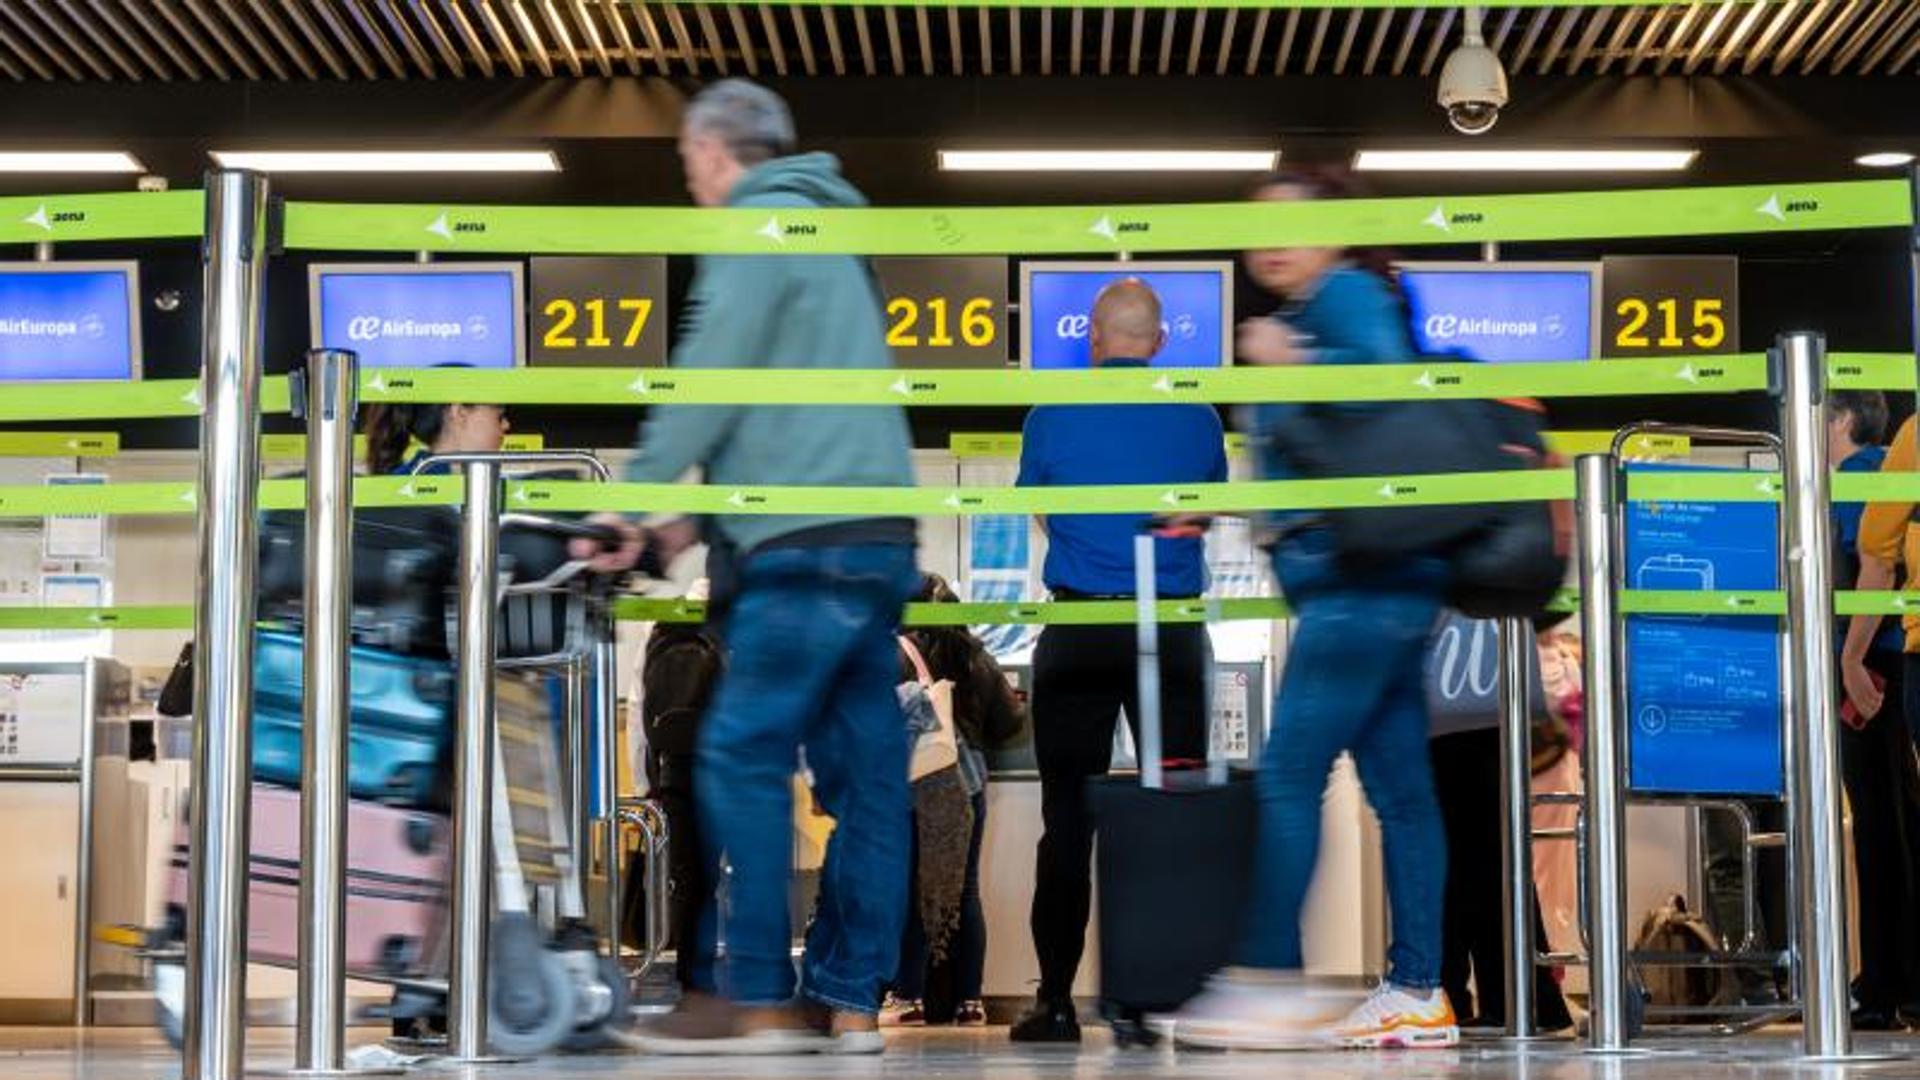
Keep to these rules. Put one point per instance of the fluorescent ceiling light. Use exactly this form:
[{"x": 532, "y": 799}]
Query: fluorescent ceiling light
[
  {"x": 1886, "y": 159},
  {"x": 1523, "y": 160},
  {"x": 389, "y": 161},
  {"x": 1108, "y": 160},
  {"x": 70, "y": 161}
]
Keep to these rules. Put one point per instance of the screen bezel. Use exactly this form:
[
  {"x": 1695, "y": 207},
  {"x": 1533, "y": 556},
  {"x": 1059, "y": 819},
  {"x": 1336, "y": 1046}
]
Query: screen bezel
[
  {"x": 1221, "y": 267},
  {"x": 517, "y": 271},
  {"x": 129, "y": 267},
  {"x": 1593, "y": 271}
]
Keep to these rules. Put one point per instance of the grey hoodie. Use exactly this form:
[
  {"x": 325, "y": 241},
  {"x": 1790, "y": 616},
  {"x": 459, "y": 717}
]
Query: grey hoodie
[{"x": 781, "y": 311}]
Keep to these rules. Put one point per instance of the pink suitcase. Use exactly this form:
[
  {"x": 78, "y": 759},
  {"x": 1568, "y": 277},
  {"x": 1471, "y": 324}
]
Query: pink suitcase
[{"x": 397, "y": 870}]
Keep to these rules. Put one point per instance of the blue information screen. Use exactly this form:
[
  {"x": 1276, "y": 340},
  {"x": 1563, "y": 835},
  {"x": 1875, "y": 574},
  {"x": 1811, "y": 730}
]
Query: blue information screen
[
  {"x": 66, "y": 324},
  {"x": 421, "y": 319},
  {"x": 1500, "y": 316},
  {"x": 1703, "y": 691},
  {"x": 1059, "y": 303}
]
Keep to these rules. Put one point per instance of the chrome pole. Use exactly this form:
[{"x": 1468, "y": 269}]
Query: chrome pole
[
  {"x": 234, "y": 267},
  {"x": 580, "y": 706},
  {"x": 473, "y": 761},
  {"x": 1818, "y": 851},
  {"x": 1516, "y": 823},
  {"x": 607, "y": 740},
  {"x": 1604, "y": 811}
]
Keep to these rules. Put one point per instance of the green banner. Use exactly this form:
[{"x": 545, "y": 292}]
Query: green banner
[
  {"x": 141, "y": 617},
  {"x": 1029, "y": 230},
  {"x": 127, "y": 215},
  {"x": 151, "y": 399},
  {"x": 59, "y": 443},
  {"x": 927, "y": 387},
  {"x": 1871, "y": 371}
]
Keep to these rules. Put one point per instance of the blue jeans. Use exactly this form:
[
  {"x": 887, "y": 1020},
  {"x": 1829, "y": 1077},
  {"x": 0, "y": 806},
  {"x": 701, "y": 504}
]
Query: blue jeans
[
  {"x": 812, "y": 663},
  {"x": 1353, "y": 683}
]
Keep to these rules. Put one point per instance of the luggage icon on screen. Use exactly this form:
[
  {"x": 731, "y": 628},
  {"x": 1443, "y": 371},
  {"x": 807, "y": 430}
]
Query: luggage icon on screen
[{"x": 1674, "y": 573}]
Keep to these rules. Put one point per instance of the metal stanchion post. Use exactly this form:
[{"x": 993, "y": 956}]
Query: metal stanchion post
[
  {"x": 607, "y": 742},
  {"x": 321, "y": 991},
  {"x": 580, "y": 707},
  {"x": 473, "y": 763},
  {"x": 234, "y": 258},
  {"x": 1604, "y": 810},
  {"x": 1516, "y": 821},
  {"x": 1819, "y": 858}
]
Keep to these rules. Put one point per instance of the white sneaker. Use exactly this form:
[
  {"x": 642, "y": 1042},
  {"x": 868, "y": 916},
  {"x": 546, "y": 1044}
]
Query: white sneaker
[
  {"x": 1395, "y": 1017},
  {"x": 1253, "y": 1010}
]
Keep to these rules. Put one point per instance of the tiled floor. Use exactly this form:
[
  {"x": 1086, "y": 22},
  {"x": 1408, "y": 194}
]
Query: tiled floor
[{"x": 120, "y": 1054}]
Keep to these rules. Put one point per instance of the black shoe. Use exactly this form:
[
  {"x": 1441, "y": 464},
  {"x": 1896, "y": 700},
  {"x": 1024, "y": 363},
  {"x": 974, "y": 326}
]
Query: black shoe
[
  {"x": 1875, "y": 1018},
  {"x": 1047, "y": 1022}
]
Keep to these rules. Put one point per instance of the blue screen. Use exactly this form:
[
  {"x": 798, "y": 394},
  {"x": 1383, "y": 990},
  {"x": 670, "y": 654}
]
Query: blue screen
[
  {"x": 421, "y": 319},
  {"x": 66, "y": 324},
  {"x": 1703, "y": 691},
  {"x": 1059, "y": 302},
  {"x": 1502, "y": 315}
]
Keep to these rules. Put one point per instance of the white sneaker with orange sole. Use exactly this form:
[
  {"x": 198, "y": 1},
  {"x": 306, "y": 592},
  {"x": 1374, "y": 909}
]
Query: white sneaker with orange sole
[
  {"x": 1393, "y": 1017},
  {"x": 1251, "y": 1010}
]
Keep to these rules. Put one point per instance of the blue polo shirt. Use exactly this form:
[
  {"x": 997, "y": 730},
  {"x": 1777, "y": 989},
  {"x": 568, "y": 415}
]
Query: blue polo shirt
[{"x": 1120, "y": 444}]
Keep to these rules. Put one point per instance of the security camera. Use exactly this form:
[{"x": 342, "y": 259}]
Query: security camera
[
  {"x": 151, "y": 183},
  {"x": 1473, "y": 85}
]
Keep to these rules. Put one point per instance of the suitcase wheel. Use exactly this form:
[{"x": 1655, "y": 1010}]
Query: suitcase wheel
[
  {"x": 531, "y": 1003},
  {"x": 598, "y": 1034}
]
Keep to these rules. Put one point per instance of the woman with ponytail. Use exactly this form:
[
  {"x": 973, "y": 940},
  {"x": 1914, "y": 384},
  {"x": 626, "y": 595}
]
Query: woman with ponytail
[{"x": 393, "y": 429}]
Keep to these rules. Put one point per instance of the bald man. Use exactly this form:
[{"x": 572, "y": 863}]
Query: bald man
[{"x": 1085, "y": 677}]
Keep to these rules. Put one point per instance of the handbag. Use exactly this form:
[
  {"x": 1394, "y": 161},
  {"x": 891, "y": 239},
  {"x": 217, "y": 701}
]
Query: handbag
[{"x": 937, "y": 748}]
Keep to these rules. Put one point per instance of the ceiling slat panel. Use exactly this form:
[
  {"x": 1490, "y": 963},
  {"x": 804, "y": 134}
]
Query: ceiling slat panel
[
  {"x": 590, "y": 33},
  {"x": 561, "y": 37},
  {"x": 177, "y": 23},
  {"x": 109, "y": 16},
  {"x": 24, "y": 51},
  {"x": 41, "y": 40},
  {"x": 623, "y": 45},
  {"x": 743, "y": 37},
  {"x": 1830, "y": 35},
  {"x": 1016, "y": 49},
  {"x": 1703, "y": 46},
  {"x": 71, "y": 40},
  {"x": 1535, "y": 27},
  {"x": 1558, "y": 42},
  {"x": 1800, "y": 36},
  {"x": 1763, "y": 45},
  {"x": 683, "y": 40},
  {"x": 1891, "y": 40},
  {"x": 1677, "y": 42},
  {"x": 370, "y": 30},
  {"x": 831, "y": 19},
  {"x": 1408, "y": 38},
  {"x": 1258, "y": 40},
  {"x": 1321, "y": 23},
  {"x": 716, "y": 48},
  {"x": 895, "y": 46},
  {"x": 1439, "y": 40},
  {"x": 1167, "y": 20},
  {"x": 254, "y": 35},
  {"x": 1906, "y": 56},
  {"x": 409, "y": 41},
  {"x": 1347, "y": 38},
  {"x": 777, "y": 46},
  {"x": 656, "y": 42},
  {"x": 496, "y": 26},
  {"x": 1228, "y": 33},
  {"x": 1197, "y": 43},
  {"x": 91, "y": 39},
  {"x": 1380, "y": 29},
  {"x": 864, "y": 35},
  {"x": 302, "y": 58},
  {"x": 1731, "y": 51},
  {"x": 1617, "y": 44},
  {"x": 1875, "y": 23},
  {"x": 1596, "y": 24},
  {"x": 1645, "y": 49}
]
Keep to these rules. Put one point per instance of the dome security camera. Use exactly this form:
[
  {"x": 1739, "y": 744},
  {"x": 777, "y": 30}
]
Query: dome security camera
[{"x": 1473, "y": 85}]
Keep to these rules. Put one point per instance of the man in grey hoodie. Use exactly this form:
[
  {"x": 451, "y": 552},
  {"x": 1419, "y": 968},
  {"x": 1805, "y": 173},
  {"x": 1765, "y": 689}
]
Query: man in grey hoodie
[{"x": 814, "y": 605}]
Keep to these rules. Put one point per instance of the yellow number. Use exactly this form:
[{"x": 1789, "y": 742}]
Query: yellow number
[
  {"x": 563, "y": 314},
  {"x": 1635, "y": 312},
  {"x": 641, "y": 308},
  {"x": 1710, "y": 327},
  {"x": 976, "y": 322},
  {"x": 907, "y": 313},
  {"x": 940, "y": 339},
  {"x": 597, "y": 310},
  {"x": 1670, "y": 311}
]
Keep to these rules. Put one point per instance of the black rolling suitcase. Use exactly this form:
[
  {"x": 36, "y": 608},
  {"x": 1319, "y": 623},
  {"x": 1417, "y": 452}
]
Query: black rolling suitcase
[{"x": 1174, "y": 862}]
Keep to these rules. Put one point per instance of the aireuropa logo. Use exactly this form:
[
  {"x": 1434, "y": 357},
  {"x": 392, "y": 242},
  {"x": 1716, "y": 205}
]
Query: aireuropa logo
[
  {"x": 365, "y": 328},
  {"x": 86, "y": 326},
  {"x": 1449, "y": 327},
  {"x": 1182, "y": 326}
]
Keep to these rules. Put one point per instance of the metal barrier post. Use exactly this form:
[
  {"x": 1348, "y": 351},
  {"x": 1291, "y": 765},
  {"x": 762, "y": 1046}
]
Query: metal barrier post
[
  {"x": 1516, "y": 824},
  {"x": 321, "y": 993},
  {"x": 580, "y": 706},
  {"x": 1597, "y": 506},
  {"x": 234, "y": 262},
  {"x": 473, "y": 762},
  {"x": 607, "y": 736},
  {"x": 1820, "y": 881}
]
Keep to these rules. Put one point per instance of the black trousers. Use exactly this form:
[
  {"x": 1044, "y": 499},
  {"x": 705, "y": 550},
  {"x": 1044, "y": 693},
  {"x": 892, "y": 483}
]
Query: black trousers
[
  {"x": 671, "y": 777},
  {"x": 1466, "y": 778},
  {"x": 1083, "y": 678},
  {"x": 1883, "y": 789}
]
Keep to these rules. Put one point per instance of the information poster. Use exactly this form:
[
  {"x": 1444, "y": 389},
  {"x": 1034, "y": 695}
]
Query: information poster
[{"x": 1703, "y": 691}]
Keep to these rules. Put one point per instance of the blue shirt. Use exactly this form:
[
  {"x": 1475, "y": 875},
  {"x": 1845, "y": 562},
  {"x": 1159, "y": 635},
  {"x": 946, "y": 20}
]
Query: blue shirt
[
  {"x": 1120, "y": 444},
  {"x": 1846, "y": 539}
]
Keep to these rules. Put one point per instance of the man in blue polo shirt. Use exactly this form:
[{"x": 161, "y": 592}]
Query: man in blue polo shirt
[{"x": 1084, "y": 677}]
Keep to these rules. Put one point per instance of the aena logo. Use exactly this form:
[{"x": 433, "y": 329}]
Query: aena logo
[
  {"x": 68, "y": 217},
  {"x": 799, "y": 229}
]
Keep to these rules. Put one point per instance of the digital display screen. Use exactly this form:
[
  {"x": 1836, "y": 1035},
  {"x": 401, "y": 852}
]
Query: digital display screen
[
  {"x": 1058, "y": 305},
  {"x": 1703, "y": 691},
  {"x": 68, "y": 323},
  {"x": 420, "y": 318},
  {"x": 1502, "y": 315}
]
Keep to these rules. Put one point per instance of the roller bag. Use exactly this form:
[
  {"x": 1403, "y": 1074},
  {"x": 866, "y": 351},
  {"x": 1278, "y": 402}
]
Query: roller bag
[
  {"x": 397, "y": 865},
  {"x": 400, "y": 726},
  {"x": 1173, "y": 864}
]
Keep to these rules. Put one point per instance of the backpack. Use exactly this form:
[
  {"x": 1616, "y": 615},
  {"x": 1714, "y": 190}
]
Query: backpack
[
  {"x": 681, "y": 666},
  {"x": 1671, "y": 928},
  {"x": 1514, "y": 564}
]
